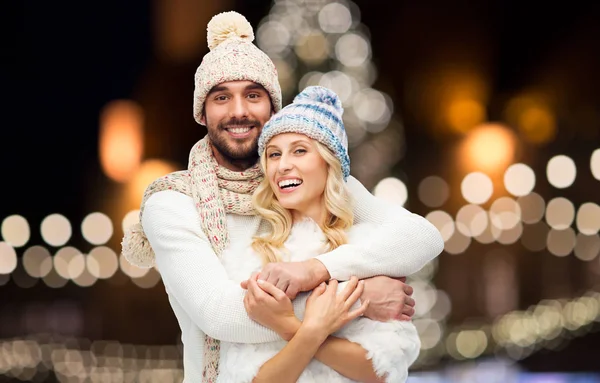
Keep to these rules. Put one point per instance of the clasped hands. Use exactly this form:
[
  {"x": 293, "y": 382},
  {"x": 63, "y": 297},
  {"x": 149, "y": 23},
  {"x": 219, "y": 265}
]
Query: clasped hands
[{"x": 278, "y": 283}]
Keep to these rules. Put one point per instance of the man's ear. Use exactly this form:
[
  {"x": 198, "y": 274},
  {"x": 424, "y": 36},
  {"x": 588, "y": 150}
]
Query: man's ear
[{"x": 203, "y": 119}]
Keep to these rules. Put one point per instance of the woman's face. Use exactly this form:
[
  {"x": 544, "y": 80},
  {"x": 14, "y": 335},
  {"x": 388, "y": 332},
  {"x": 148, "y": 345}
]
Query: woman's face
[{"x": 297, "y": 174}]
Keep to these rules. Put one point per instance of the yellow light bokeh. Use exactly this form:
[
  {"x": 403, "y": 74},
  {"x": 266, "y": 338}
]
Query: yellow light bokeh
[
  {"x": 121, "y": 139},
  {"x": 489, "y": 148},
  {"x": 465, "y": 114},
  {"x": 149, "y": 171},
  {"x": 532, "y": 115}
]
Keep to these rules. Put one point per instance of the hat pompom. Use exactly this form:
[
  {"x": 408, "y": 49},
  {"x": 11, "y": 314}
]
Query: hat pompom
[
  {"x": 320, "y": 94},
  {"x": 136, "y": 248},
  {"x": 226, "y": 25}
]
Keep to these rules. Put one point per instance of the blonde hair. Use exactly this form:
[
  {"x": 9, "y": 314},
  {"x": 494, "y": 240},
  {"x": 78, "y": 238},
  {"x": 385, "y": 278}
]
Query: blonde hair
[{"x": 338, "y": 205}]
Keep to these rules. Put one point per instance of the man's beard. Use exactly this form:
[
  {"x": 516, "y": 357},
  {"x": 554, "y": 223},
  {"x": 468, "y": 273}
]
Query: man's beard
[{"x": 219, "y": 141}]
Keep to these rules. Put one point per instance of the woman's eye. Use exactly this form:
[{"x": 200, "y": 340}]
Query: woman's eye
[
  {"x": 272, "y": 155},
  {"x": 300, "y": 151}
]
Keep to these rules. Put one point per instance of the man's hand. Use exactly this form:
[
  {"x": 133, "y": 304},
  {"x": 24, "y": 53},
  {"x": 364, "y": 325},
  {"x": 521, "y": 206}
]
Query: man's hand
[
  {"x": 390, "y": 299},
  {"x": 293, "y": 277}
]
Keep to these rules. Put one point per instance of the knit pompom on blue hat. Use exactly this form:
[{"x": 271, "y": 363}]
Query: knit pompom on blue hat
[{"x": 317, "y": 113}]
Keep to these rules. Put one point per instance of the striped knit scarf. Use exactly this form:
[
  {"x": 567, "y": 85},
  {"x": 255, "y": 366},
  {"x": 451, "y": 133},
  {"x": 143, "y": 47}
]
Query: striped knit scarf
[{"x": 216, "y": 191}]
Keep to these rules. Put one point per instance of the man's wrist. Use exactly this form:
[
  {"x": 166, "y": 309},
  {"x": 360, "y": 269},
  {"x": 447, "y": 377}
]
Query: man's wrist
[{"x": 318, "y": 272}]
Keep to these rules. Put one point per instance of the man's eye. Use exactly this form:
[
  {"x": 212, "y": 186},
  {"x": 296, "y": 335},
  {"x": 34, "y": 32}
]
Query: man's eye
[
  {"x": 221, "y": 98},
  {"x": 253, "y": 95}
]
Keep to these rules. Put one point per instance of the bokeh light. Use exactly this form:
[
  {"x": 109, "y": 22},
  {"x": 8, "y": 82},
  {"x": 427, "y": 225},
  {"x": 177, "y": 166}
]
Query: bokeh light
[
  {"x": 352, "y": 49},
  {"x": 531, "y": 114},
  {"x": 588, "y": 218},
  {"x": 15, "y": 230},
  {"x": 37, "y": 261},
  {"x": 587, "y": 247},
  {"x": 102, "y": 262},
  {"x": 471, "y": 220},
  {"x": 595, "y": 164},
  {"x": 488, "y": 148},
  {"x": 149, "y": 171},
  {"x": 335, "y": 18},
  {"x": 476, "y": 188},
  {"x": 561, "y": 171},
  {"x": 519, "y": 180},
  {"x": 121, "y": 139},
  {"x": 69, "y": 262},
  {"x": 561, "y": 242},
  {"x": 443, "y": 222},
  {"x": 433, "y": 191},
  {"x": 8, "y": 258},
  {"x": 97, "y": 228},
  {"x": 392, "y": 190},
  {"x": 532, "y": 207},
  {"x": 56, "y": 230},
  {"x": 560, "y": 213},
  {"x": 312, "y": 48}
]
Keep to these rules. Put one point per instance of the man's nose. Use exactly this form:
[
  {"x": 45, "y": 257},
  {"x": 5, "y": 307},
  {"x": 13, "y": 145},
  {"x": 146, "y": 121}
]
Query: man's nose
[{"x": 239, "y": 108}]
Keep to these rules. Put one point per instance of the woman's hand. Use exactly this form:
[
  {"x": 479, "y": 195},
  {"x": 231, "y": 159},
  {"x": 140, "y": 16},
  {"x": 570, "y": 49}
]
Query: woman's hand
[
  {"x": 271, "y": 307},
  {"x": 327, "y": 312}
]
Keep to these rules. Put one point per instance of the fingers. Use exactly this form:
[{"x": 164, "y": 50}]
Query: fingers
[
  {"x": 405, "y": 318},
  {"x": 331, "y": 287},
  {"x": 409, "y": 302},
  {"x": 408, "y": 290},
  {"x": 408, "y": 311},
  {"x": 255, "y": 290},
  {"x": 244, "y": 284},
  {"x": 319, "y": 290},
  {"x": 282, "y": 284},
  {"x": 355, "y": 295},
  {"x": 359, "y": 311},
  {"x": 275, "y": 292},
  {"x": 265, "y": 273},
  {"x": 349, "y": 289},
  {"x": 292, "y": 291}
]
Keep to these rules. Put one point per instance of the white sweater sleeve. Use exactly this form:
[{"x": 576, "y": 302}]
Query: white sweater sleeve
[
  {"x": 193, "y": 274},
  {"x": 402, "y": 245}
]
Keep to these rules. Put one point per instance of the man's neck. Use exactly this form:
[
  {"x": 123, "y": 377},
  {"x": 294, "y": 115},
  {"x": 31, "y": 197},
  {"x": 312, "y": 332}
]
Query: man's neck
[{"x": 234, "y": 165}]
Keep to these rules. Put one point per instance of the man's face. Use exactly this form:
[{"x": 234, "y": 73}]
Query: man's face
[{"x": 234, "y": 114}]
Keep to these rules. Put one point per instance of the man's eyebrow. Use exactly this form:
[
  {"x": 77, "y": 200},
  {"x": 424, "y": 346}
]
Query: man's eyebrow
[
  {"x": 255, "y": 86},
  {"x": 217, "y": 88}
]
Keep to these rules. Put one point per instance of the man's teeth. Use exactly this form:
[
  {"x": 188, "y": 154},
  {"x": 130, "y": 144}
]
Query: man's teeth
[
  {"x": 239, "y": 130},
  {"x": 287, "y": 183}
]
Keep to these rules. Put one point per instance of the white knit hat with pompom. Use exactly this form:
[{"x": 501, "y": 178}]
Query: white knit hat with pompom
[{"x": 233, "y": 57}]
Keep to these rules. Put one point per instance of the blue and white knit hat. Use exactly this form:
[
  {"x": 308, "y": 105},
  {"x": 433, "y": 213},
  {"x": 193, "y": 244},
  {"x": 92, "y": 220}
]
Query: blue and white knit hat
[{"x": 317, "y": 113}]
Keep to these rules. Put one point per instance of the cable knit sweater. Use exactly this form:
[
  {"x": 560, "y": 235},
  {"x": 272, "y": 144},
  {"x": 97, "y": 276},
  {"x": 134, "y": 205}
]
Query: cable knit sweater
[
  {"x": 392, "y": 346},
  {"x": 206, "y": 301}
]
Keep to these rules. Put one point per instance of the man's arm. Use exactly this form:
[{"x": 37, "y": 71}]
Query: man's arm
[
  {"x": 402, "y": 245},
  {"x": 193, "y": 274}
]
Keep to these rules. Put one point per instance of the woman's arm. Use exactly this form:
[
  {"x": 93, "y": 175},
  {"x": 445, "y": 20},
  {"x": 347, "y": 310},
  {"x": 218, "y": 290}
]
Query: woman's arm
[
  {"x": 326, "y": 312},
  {"x": 403, "y": 243},
  {"x": 348, "y": 359},
  {"x": 288, "y": 364}
]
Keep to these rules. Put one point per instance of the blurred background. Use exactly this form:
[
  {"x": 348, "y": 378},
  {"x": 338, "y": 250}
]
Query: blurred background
[{"x": 482, "y": 117}]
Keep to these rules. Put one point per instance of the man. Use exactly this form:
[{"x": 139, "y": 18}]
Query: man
[{"x": 190, "y": 217}]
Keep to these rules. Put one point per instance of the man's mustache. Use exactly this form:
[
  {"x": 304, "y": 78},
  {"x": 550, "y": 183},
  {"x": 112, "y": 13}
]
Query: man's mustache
[{"x": 238, "y": 123}]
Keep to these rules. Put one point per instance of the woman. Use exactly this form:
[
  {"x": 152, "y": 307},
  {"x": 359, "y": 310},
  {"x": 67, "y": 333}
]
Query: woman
[{"x": 306, "y": 211}]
